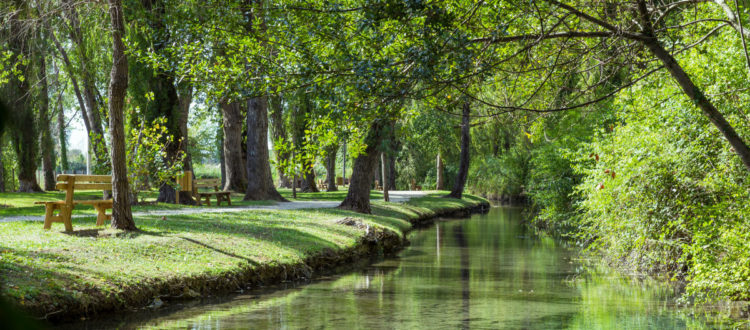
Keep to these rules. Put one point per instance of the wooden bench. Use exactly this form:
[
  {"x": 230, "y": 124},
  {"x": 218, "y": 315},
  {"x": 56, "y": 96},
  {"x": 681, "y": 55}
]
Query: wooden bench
[
  {"x": 211, "y": 183},
  {"x": 322, "y": 184},
  {"x": 70, "y": 183},
  {"x": 188, "y": 185}
]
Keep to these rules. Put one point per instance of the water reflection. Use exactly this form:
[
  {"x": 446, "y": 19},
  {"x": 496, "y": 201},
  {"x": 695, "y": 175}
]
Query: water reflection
[{"x": 486, "y": 272}]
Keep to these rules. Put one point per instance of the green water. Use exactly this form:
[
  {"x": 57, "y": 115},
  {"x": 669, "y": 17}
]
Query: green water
[{"x": 484, "y": 272}]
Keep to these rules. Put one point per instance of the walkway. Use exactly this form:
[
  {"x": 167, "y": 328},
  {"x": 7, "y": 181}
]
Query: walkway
[{"x": 396, "y": 197}]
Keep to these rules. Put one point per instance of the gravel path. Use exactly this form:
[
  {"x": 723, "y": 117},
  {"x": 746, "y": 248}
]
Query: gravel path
[{"x": 396, "y": 196}]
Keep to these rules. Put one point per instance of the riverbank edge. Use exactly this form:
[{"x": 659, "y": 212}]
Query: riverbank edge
[{"x": 376, "y": 244}]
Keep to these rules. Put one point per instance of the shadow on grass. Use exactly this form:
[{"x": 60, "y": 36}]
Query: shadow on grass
[{"x": 230, "y": 254}]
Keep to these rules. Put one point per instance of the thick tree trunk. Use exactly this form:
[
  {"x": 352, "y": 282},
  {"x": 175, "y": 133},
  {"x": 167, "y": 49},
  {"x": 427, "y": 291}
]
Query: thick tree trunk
[
  {"x": 463, "y": 166},
  {"x": 47, "y": 145},
  {"x": 260, "y": 182},
  {"x": 440, "y": 179},
  {"x": 331, "y": 168},
  {"x": 358, "y": 197},
  {"x": 279, "y": 134},
  {"x": 693, "y": 91},
  {"x": 308, "y": 182},
  {"x": 234, "y": 165},
  {"x": 122, "y": 218},
  {"x": 22, "y": 121}
]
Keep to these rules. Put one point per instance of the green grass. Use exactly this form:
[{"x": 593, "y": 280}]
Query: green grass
[{"x": 47, "y": 270}]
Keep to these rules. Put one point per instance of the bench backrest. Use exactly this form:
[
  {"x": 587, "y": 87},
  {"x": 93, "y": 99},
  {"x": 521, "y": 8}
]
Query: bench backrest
[
  {"x": 207, "y": 183},
  {"x": 70, "y": 182}
]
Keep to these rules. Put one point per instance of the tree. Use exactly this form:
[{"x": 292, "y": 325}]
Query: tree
[
  {"x": 280, "y": 136},
  {"x": 235, "y": 168},
  {"x": 330, "y": 159},
  {"x": 122, "y": 217},
  {"x": 463, "y": 166},
  {"x": 260, "y": 182},
  {"x": 358, "y": 197},
  {"x": 18, "y": 94}
]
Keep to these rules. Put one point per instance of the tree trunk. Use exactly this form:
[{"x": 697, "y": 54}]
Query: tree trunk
[
  {"x": 358, "y": 197},
  {"x": 220, "y": 148},
  {"x": 47, "y": 145},
  {"x": 440, "y": 180},
  {"x": 279, "y": 134},
  {"x": 693, "y": 91},
  {"x": 122, "y": 218},
  {"x": 299, "y": 132},
  {"x": 463, "y": 166},
  {"x": 64, "y": 165},
  {"x": 384, "y": 175},
  {"x": 309, "y": 184},
  {"x": 185, "y": 96},
  {"x": 24, "y": 137},
  {"x": 93, "y": 105},
  {"x": 234, "y": 165},
  {"x": 2, "y": 164},
  {"x": 260, "y": 182},
  {"x": 392, "y": 173},
  {"x": 331, "y": 168},
  {"x": 74, "y": 82}
]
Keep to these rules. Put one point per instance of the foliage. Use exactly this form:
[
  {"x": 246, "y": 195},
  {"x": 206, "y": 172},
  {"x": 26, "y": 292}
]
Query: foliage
[{"x": 147, "y": 157}]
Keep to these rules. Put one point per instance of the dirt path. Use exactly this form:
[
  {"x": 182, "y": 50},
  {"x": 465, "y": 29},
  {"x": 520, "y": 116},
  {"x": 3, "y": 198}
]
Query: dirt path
[{"x": 396, "y": 196}]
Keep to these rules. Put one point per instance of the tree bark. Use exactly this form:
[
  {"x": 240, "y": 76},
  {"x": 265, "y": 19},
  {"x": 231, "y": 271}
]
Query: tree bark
[
  {"x": 234, "y": 165},
  {"x": 185, "y": 96},
  {"x": 392, "y": 173},
  {"x": 122, "y": 217},
  {"x": 2, "y": 164},
  {"x": 22, "y": 121},
  {"x": 331, "y": 168},
  {"x": 693, "y": 91},
  {"x": 463, "y": 166},
  {"x": 47, "y": 145},
  {"x": 358, "y": 197},
  {"x": 384, "y": 175},
  {"x": 439, "y": 185},
  {"x": 260, "y": 182},
  {"x": 62, "y": 136},
  {"x": 220, "y": 148},
  {"x": 279, "y": 134}
]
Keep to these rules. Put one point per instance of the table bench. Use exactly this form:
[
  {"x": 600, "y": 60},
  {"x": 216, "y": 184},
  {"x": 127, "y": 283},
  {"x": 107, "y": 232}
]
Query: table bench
[
  {"x": 70, "y": 183},
  {"x": 192, "y": 186}
]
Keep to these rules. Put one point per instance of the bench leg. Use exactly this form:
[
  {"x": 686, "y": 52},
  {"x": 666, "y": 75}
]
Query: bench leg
[
  {"x": 65, "y": 213},
  {"x": 208, "y": 200},
  {"x": 101, "y": 215},
  {"x": 218, "y": 200},
  {"x": 49, "y": 212}
]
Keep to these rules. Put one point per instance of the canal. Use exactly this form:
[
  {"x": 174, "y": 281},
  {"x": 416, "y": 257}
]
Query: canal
[{"x": 489, "y": 271}]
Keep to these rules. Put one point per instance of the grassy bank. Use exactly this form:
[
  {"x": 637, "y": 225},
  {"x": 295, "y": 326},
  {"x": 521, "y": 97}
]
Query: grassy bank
[{"x": 93, "y": 269}]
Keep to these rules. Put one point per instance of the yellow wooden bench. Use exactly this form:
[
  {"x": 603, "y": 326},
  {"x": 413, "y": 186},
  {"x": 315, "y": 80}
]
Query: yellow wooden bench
[
  {"x": 211, "y": 183},
  {"x": 188, "y": 185},
  {"x": 70, "y": 183}
]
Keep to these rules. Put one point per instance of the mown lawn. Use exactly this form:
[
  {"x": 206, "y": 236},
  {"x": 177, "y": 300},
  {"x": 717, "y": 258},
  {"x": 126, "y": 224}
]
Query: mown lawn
[
  {"x": 22, "y": 204},
  {"x": 46, "y": 270}
]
